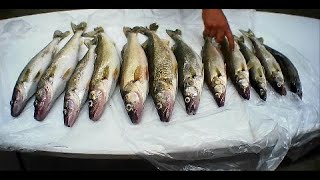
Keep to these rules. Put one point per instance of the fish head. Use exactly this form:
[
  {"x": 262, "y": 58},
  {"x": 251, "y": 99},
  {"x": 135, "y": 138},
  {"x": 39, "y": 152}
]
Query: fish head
[
  {"x": 243, "y": 84},
  {"x": 134, "y": 105},
  {"x": 97, "y": 102},
  {"x": 219, "y": 90},
  {"x": 191, "y": 96},
  {"x": 262, "y": 88},
  {"x": 296, "y": 87},
  {"x": 43, "y": 101},
  {"x": 18, "y": 100},
  {"x": 164, "y": 101},
  {"x": 278, "y": 83},
  {"x": 71, "y": 108}
]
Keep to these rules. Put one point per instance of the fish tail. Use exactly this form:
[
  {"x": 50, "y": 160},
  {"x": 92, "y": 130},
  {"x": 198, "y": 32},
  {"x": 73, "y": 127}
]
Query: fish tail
[
  {"x": 60, "y": 34},
  {"x": 80, "y": 27}
]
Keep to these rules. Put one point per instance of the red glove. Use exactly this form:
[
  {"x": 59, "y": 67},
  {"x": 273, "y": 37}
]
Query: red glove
[{"x": 216, "y": 25}]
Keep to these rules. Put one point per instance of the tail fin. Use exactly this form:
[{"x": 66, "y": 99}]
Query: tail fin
[
  {"x": 91, "y": 42},
  {"x": 153, "y": 27},
  {"x": 137, "y": 29},
  {"x": 60, "y": 34},
  {"x": 172, "y": 34},
  {"x": 80, "y": 27},
  {"x": 93, "y": 33}
]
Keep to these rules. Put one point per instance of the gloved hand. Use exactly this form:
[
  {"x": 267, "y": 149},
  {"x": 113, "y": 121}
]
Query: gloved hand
[{"x": 216, "y": 25}]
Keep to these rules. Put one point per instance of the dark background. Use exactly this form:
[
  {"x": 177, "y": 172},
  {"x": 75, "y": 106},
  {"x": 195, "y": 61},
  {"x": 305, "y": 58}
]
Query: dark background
[{"x": 30, "y": 161}]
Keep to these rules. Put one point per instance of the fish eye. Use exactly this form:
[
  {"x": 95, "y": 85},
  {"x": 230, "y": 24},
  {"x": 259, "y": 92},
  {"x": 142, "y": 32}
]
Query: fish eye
[
  {"x": 64, "y": 111},
  {"x": 90, "y": 103},
  {"x": 187, "y": 99},
  {"x": 129, "y": 107}
]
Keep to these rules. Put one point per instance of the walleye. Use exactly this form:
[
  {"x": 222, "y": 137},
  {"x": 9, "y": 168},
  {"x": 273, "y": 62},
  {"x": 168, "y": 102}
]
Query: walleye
[
  {"x": 54, "y": 80},
  {"x": 163, "y": 69},
  {"x": 272, "y": 68},
  {"x": 190, "y": 72},
  {"x": 256, "y": 71},
  {"x": 290, "y": 72},
  {"x": 134, "y": 80},
  {"x": 214, "y": 70},
  {"x": 237, "y": 68},
  {"x": 105, "y": 74},
  {"x": 78, "y": 86},
  {"x": 26, "y": 84}
]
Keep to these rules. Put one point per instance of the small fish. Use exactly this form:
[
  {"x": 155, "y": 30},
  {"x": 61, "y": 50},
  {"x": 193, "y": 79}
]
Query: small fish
[
  {"x": 54, "y": 80},
  {"x": 214, "y": 70},
  {"x": 134, "y": 77},
  {"x": 163, "y": 71},
  {"x": 289, "y": 71},
  {"x": 256, "y": 71},
  {"x": 105, "y": 74},
  {"x": 190, "y": 72},
  {"x": 78, "y": 85},
  {"x": 237, "y": 68},
  {"x": 272, "y": 68},
  {"x": 26, "y": 84}
]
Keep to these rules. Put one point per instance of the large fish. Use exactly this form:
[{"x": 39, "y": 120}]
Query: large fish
[
  {"x": 272, "y": 68},
  {"x": 237, "y": 69},
  {"x": 214, "y": 70},
  {"x": 105, "y": 75},
  {"x": 190, "y": 72},
  {"x": 256, "y": 71},
  {"x": 289, "y": 71},
  {"x": 54, "y": 80},
  {"x": 163, "y": 71},
  {"x": 134, "y": 76},
  {"x": 78, "y": 86},
  {"x": 27, "y": 82}
]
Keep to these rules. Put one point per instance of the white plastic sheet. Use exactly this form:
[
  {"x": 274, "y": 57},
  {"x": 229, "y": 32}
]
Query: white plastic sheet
[{"x": 242, "y": 135}]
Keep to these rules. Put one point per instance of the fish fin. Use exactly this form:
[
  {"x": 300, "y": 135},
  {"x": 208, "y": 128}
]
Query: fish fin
[
  {"x": 123, "y": 49},
  {"x": 250, "y": 33},
  {"x": 261, "y": 40},
  {"x": 93, "y": 33},
  {"x": 172, "y": 34},
  {"x": 138, "y": 73},
  {"x": 26, "y": 75},
  {"x": 241, "y": 39},
  {"x": 250, "y": 64},
  {"x": 80, "y": 27},
  {"x": 136, "y": 29},
  {"x": 115, "y": 73},
  {"x": 260, "y": 71},
  {"x": 37, "y": 76},
  {"x": 91, "y": 42},
  {"x": 105, "y": 73},
  {"x": 127, "y": 30},
  {"x": 174, "y": 47},
  {"x": 66, "y": 74},
  {"x": 60, "y": 34},
  {"x": 153, "y": 27}
]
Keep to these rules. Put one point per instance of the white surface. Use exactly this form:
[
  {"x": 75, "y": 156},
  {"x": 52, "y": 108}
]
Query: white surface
[{"x": 239, "y": 122}]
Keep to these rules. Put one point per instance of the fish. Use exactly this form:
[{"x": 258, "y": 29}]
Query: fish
[
  {"x": 190, "y": 72},
  {"x": 214, "y": 70},
  {"x": 54, "y": 80},
  {"x": 77, "y": 89},
  {"x": 289, "y": 71},
  {"x": 237, "y": 68},
  {"x": 256, "y": 72},
  {"x": 272, "y": 68},
  {"x": 105, "y": 74},
  {"x": 27, "y": 82},
  {"x": 163, "y": 72},
  {"x": 134, "y": 75}
]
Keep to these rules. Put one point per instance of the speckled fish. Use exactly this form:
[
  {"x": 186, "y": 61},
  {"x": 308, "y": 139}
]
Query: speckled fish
[
  {"x": 163, "y": 71},
  {"x": 214, "y": 70},
  {"x": 190, "y": 72},
  {"x": 78, "y": 86},
  {"x": 272, "y": 68},
  {"x": 289, "y": 71},
  {"x": 237, "y": 69},
  {"x": 256, "y": 71},
  {"x": 105, "y": 73},
  {"x": 134, "y": 76},
  {"x": 54, "y": 80},
  {"x": 27, "y": 82}
]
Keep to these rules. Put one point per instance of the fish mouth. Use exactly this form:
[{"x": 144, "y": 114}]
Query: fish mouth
[
  {"x": 192, "y": 104},
  {"x": 259, "y": 88},
  {"x": 135, "y": 114},
  {"x": 134, "y": 107},
  {"x": 17, "y": 103},
  {"x": 279, "y": 88},
  {"x": 165, "y": 114},
  {"x": 97, "y": 102},
  {"x": 42, "y": 104},
  {"x": 70, "y": 112},
  {"x": 296, "y": 88},
  {"x": 220, "y": 99},
  {"x": 245, "y": 93},
  {"x": 262, "y": 94}
]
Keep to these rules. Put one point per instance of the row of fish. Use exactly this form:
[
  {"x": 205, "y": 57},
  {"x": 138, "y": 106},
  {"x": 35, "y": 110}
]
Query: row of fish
[{"x": 151, "y": 67}]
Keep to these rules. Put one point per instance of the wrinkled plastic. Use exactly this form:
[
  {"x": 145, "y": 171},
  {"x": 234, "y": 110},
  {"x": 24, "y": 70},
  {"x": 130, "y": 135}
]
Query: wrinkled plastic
[{"x": 242, "y": 135}]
